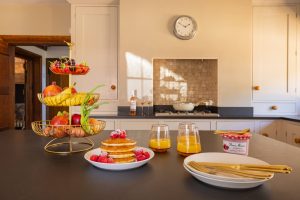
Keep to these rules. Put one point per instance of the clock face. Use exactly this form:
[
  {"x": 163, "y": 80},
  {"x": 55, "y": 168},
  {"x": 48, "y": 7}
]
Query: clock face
[{"x": 185, "y": 27}]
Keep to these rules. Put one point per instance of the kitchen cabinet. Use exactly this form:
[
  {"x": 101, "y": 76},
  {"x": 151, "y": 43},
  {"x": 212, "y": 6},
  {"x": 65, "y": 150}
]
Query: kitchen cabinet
[
  {"x": 274, "y": 59},
  {"x": 140, "y": 124},
  {"x": 94, "y": 32},
  {"x": 267, "y": 128},
  {"x": 201, "y": 124},
  {"x": 235, "y": 124},
  {"x": 292, "y": 132}
]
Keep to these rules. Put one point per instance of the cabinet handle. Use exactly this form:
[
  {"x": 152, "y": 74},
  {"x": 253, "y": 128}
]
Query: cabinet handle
[
  {"x": 256, "y": 87},
  {"x": 297, "y": 140},
  {"x": 265, "y": 134},
  {"x": 274, "y": 107},
  {"x": 113, "y": 87}
]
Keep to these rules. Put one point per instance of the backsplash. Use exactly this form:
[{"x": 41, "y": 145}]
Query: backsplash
[{"x": 188, "y": 80}]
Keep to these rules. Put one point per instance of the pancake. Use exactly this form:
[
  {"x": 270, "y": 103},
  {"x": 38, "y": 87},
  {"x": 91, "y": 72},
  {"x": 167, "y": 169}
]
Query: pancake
[
  {"x": 124, "y": 160},
  {"x": 110, "y": 149},
  {"x": 121, "y": 154},
  {"x": 118, "y": 142}
]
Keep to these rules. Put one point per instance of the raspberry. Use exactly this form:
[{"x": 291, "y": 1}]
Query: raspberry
[
  {"x": 147, "y": 155},
  {"x": 110, "y": 160},
  {"x": 141, "y": 157},
  {"x": 122, "y": 135},
  {"x": 94, "y": 158}
]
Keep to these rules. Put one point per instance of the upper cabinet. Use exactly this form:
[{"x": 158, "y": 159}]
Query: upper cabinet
[
  {"x": 274, "y": 59},
  {"x": 95, "y": 35}
]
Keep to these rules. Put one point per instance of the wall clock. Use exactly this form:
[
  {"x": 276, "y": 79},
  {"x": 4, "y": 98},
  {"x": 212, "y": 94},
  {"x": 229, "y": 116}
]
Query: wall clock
[{"x": 185, "y": 27}]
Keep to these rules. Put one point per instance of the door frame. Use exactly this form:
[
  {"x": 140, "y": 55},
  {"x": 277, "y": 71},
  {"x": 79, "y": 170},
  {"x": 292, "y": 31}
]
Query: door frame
[
  {"x": 33, "y": 109},
  {"x": 29, "y": 40}
]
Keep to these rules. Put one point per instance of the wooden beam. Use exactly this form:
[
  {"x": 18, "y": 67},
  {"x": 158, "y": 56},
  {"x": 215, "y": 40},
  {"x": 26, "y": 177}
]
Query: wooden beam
[{"x": 35, "y": 40}]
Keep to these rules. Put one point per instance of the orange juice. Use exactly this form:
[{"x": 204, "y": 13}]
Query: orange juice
[
  {"x": 160, "y": 145},
  {"x": 188, "y": 145}
]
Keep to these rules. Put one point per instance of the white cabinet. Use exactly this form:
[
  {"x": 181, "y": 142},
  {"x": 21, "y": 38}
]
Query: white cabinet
[
  {"x": 293, "y": 133},
  {"x": 267, "y": 128},
  {"x": 94, "y": 33},
  {"x": 235, "y": 125},
  {"x": 202, "y": 125},
  {"x": 274, "y": 59},
  {"x": 136, "y": 124}
]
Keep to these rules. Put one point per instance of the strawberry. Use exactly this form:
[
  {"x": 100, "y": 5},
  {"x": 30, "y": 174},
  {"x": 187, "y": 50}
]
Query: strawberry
[{"x": 94, "y": 158}]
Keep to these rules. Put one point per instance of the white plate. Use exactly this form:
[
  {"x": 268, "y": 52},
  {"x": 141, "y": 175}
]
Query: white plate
[
  {"x": 224, "y": 158},
  {"x": 117, "y": 166}
]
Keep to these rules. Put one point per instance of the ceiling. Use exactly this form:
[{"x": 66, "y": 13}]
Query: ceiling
[{"x": 33, "y": 1}]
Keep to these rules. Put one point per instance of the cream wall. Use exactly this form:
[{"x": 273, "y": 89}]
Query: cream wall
[
  {"x": 35, "y": 19},
  {"x": 224, "y": 32}
]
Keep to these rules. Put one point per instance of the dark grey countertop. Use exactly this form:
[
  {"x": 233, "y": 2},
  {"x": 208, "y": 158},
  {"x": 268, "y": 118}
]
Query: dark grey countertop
[
  {"x": 28, "y": 172},
  {"x": 295, "y": 118}
]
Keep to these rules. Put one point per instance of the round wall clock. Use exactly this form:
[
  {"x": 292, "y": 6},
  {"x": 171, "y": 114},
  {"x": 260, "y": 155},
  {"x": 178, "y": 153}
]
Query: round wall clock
[{"x": 185, "y": 27}]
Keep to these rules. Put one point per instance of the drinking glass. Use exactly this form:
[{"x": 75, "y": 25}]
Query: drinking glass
[
  {"x": 143, "y": 101},
  {"x": 159, "y": 138},
  {"x": 188, "y": 139}
]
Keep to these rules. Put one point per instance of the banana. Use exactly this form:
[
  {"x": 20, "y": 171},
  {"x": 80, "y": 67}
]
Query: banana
[{"x": 66, "y": 98}]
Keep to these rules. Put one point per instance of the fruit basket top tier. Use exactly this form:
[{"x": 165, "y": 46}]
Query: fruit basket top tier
[{"x": 67, "y": 66}]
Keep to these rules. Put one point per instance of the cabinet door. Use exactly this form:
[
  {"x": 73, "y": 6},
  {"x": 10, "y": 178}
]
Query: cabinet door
[
  {"x": 202, "y": 125},
  {"x": 293, "y": 134},
  {"x": 235, "y": 125},
  {"x": 274, "y": 53},
  {"x": 136, "y": 124},
  {"x": 96, "y": 38},
  {"x": 268, "y": 129}
]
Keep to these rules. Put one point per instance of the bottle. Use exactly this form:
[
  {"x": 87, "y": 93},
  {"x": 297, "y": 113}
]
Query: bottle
[{"x": 133, "y": 104}]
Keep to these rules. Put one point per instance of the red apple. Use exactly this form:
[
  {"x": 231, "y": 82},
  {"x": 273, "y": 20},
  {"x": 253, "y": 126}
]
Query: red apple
[{"x": 75, "y": 119}]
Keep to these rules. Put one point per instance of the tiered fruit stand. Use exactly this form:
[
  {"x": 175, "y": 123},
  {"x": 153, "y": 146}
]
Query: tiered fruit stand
[{"x": 70, "y": 138}]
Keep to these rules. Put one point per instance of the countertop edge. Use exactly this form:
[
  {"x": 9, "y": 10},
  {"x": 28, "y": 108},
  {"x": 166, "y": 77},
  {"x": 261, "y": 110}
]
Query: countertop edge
[{"x": 288, "y": 118}]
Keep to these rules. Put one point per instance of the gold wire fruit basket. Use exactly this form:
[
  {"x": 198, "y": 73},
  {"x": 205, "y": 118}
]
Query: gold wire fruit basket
[
  {"x": 67, "y": 99},
  {"x": 61, "y": 132}
]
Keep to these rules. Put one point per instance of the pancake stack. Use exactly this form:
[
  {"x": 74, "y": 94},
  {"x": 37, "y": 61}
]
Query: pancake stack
[{"x": 119, "y": 148}]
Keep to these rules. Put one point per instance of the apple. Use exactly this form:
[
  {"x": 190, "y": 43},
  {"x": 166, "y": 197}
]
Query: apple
[{"x": 75, "y": 119}]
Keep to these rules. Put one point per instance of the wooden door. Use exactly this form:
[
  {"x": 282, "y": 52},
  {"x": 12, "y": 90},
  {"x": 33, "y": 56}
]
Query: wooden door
[
  {"x": 96, "y": 41},
  {"x": 7, "y": 90},
  {"x": 62, "y": 81},
  {"x": 274, "y": 53}
]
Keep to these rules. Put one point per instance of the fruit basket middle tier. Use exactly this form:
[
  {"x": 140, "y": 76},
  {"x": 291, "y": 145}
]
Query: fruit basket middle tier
[
  {"x": 46, "y": 129},
  {"x": 67, "y": 99}
]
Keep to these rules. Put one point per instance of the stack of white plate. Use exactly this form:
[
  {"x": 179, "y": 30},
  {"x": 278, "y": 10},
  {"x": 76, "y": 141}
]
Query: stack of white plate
[{"x": 223, "y": 180}]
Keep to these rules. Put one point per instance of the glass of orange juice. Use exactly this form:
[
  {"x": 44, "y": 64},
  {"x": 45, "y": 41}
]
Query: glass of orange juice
[
  {"x": 188, "y": 139},
  {"x": 160, "y": 138}
]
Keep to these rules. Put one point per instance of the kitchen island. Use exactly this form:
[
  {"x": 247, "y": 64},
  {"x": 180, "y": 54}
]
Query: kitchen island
[{"x": 28, "y": 172}]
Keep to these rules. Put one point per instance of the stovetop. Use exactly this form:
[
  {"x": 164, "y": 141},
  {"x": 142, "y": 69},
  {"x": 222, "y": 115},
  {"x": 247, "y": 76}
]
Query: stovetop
[{"x": 196, "y": 114}]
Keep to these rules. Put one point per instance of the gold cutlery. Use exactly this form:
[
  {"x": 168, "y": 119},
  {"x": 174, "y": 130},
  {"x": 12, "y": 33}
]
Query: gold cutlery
[
  {"x": 229, "y": 171},
  {"x": 253, "y": 167}
]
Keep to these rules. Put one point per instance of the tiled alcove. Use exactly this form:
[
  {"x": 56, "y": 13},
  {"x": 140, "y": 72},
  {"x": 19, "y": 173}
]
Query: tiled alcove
[{"x": 185, "y": 80}]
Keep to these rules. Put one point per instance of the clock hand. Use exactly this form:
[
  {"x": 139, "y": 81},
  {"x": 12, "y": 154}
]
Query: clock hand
[{"x": 182, "y": 24}]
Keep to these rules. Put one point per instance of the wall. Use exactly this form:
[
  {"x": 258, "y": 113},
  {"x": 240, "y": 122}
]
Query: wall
[
  {"x": 224, "y": 33},
  {"x": 35, "y": 19}
]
